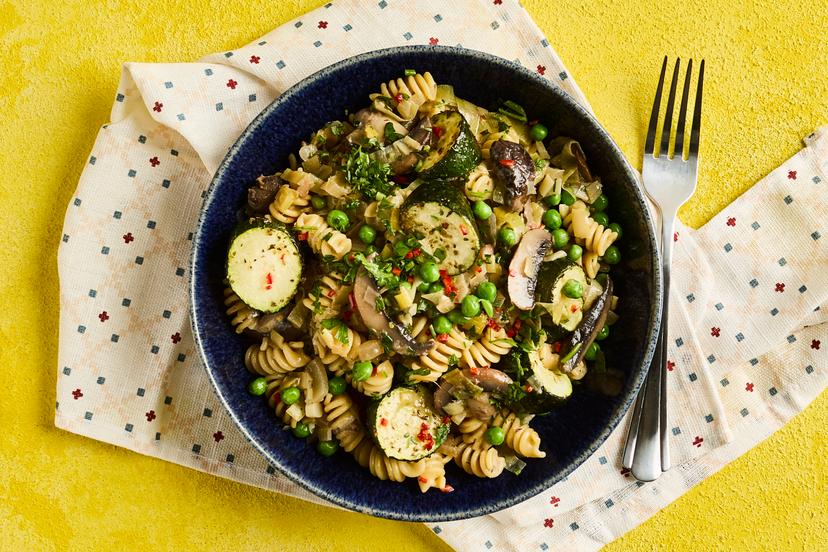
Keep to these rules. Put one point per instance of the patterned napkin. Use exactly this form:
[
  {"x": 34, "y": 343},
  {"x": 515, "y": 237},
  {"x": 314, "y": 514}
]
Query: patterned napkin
[{"x": 745, "y": 323}]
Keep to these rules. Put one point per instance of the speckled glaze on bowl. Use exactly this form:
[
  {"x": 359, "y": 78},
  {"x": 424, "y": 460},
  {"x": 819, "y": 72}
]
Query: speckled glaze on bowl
[{"x": 572, "y": 433}]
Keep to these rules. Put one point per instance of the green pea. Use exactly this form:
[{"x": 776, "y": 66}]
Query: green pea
[
  {"x": 257, "y": 387},
  {"x": 575, "y": 252},
  {"x": 573, "y": 289},
  {"x": 327, "y": 448},
  {"x": 301, "y": 430},
  {"x": 560, "y": 238},
  {"x": 401, "y": 249},
  {"x": 367, "y": 234},
  {"x": 442, "y": 325},
  {"x": 338, "y": 220},
  {"x": 290, "y": 395},
  {"x": 423, "y": 288},
  {"x": 456, "y": 317},
  {"x": 470, "y": 306},
  {"x": 362, "y": 370},
  {"x": 337, "y": 385},
  {"x": 612, "y": 255},
  {"x": 602, "y": 333},
  {"x": 429, "y": 272},
  {"x": 592, "y": 351},
  {"x": 600, "y": 204},
  {"x": 538, "y": 132},
  {"x": 552, "y": 200},
  {"x": 567, "y": 198},
  {"x": 482, "y": 210},
  {"x": 495, "y": 435},
  {"x": 318, "y": 202},
  {"x": 601, "y": 218},
  {"x": 435, "y": 287},
  {"x": 487, "y": 291},
  {"x": 615, "y": 227},
  {"x": 507, "y": 236},
  {"x": 552, "y": 219}
]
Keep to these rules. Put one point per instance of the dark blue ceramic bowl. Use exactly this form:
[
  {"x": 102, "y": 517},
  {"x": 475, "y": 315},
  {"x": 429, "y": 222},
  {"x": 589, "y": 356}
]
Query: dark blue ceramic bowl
[{"x": 571, "y": 434}]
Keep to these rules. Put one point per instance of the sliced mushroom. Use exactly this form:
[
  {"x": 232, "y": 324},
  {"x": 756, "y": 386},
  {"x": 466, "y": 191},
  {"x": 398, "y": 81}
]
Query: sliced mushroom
[
  {"x": 514, "y": 171},
  {"x": 580, "y": 159},
  {"x": 365, "y": 296},
  {"x": 491, "y": 380},
  {"x": 592, "y": 322},
  {"x": 319, "y": 381},
  {"x": 523, "y": 270},
  {"x": 261, "y": 195}
]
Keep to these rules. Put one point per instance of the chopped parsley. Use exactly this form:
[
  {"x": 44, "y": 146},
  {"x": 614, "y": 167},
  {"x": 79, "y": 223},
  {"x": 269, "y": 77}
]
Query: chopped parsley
[
  {"x": 380, "y": 270},
  {"x": 367, "y": 175},
  {"x": 339, "y": 327},
  {"x": 391, "y": 135},
  {"x": 513, "y": 110}
]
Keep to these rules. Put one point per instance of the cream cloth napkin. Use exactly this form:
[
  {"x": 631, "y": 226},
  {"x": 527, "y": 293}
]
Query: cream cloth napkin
[{"x": 746, "y": 344}]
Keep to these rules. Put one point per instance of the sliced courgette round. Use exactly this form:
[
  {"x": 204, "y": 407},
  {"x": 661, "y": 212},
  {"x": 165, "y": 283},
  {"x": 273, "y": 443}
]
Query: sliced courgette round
[
  {"x": 563, "y": 314},
  {"x": 455, "y": 152},
  {"x": 264, "y": 266},
  {"x": 405, "y": 425},
  {"x": 439, "y": 215},
  {"x": 543, "y": 389}
]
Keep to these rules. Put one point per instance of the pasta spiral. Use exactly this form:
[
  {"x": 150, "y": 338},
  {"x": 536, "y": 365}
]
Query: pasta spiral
[
  {"x": 596, "y": 237},
  {"x": 487, "y": 350},
  {"x": 434, "y": 472},
  {"x": 472, "y": 430},
  {"x": 379, "y": 383},
  {"x": 479, "y": 185},
  {"x": 242, "y": 317},
  {"x": 482, "y": 463},
  {"x": 275, "y": 355},
  {"x": 348, "y": 348},
  {"x": 323, "y": 239},
  {"x": 440, "y": 357},
  {"x": 385, "y": 468},
  {"x": 288, "y": 205},
  {"x": 327, "y": 296},
  {"x": 280, "y": 407},
  {"x": 521, "y": 438},
  {"x": 340, "y": 413},
  {"x": 413, "y": 91},
  {"x": 334, "y": 363}
]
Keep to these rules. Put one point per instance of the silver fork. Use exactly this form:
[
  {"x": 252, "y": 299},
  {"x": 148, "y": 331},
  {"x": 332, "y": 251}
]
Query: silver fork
[{"x": 669, "y": 181}]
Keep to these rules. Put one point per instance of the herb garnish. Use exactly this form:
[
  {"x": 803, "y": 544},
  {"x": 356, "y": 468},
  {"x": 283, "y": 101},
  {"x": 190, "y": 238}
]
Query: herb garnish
[
  {"x": 391, "y": 135},
  {"x": 367, "y": 175},
  {"x": 341, "y": 332}
]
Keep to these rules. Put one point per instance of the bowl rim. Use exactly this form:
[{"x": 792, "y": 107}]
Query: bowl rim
[{"x": 652, "y": 329}]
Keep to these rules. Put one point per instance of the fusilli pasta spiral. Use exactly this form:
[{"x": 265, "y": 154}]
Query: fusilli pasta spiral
[
  {"x": 385, "y": 468},
  {"x": 482, "y": 463},
  {"x": 487, "y": 350},
  {"x": 379, "y": 383},
  {"x": 241, "y": 316},
  {"x": 288, "y": 205},
  {"x": 521, "y": 438},
  {"x": 596, "y": 238},
  {"x": 472, "y": 430},
  {"x": 282, "y": 409},
  {"x": 434, "y": 472},
  {"x": 323, "y": 239},
  {"x": 328, "y": 340},
  {"x": 275, "y": 355},
  {"x": 440, "y": 357},
  {"x": 479, "y": 185},
  {"x": 408, "y": 94},
  {"x": 327, "y": 296}
]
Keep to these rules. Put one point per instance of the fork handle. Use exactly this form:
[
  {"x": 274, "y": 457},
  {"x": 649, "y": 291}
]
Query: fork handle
[{"x": 652, "y": 452}]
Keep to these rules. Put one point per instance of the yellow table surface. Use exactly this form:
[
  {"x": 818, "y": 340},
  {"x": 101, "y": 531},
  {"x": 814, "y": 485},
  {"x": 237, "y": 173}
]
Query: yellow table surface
[{"x": 766, "y": 87}]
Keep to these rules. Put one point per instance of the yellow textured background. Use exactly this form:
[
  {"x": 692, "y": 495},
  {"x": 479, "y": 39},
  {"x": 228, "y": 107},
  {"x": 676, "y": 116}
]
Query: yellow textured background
[{"x": 766, "y": 88}]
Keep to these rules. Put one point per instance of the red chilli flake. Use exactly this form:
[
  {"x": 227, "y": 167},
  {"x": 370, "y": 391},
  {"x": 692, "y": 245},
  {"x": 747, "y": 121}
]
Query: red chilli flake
[
  {"x": 447, "y": 489},
  {"x": 399, "y": 98},
  {"x": 438, "y": 131},
  {"x": 411, "y": 279},
  {"x": 383, "y": 422},
  {"x": 400, "y": 179},
  {"x": 269, "y": 280},
  {"x": 511, "y": 332},
  {"x": 351, "y": 299},
  {"x": 507, "y": 162},
  {"x": 396, "y": 271},
  {"x": 464, "y": 230},
  {"x": 282, "y": 258},
  {"x": 474, "y": 371},
  {"x": 442, "y": 338},
  {"x": 528, "y": 388},
  {"x": 518, "y": 323},
  {"x": 479, "y": 269},
  {"x": 573, "y": 308},
  {"x": 557, "y": 346},
  {"x": 493, "y": 325},
  {"x": 303, "y": 236},
  {"x": 422, "y": 479},
  {"x": 446, "y": 420}
]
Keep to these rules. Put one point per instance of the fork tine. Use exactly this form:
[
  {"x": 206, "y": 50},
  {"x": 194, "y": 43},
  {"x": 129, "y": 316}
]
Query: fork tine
[
  {"x": 679, "y": 149},
  {"x": 648, "y": 145},
  {"x": 694, "y": 130},
  {"x": 668, "y": 116}
]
